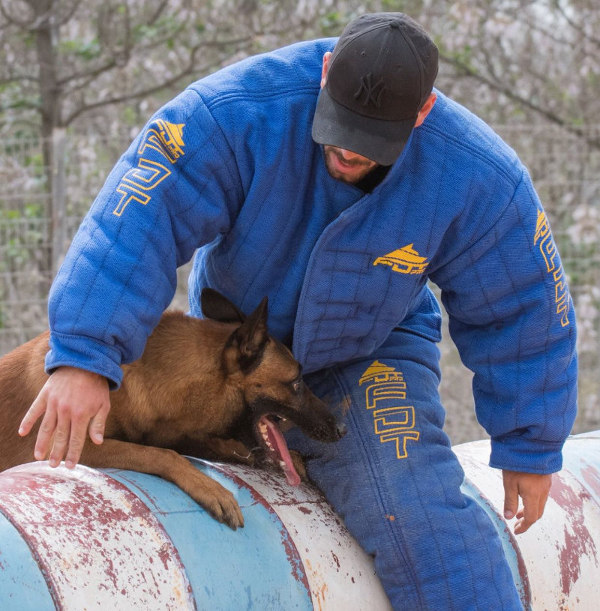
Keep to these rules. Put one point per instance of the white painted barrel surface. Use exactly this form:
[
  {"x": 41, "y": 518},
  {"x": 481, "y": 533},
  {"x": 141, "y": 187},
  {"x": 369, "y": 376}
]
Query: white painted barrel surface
[{"x": 109, "y": 539}]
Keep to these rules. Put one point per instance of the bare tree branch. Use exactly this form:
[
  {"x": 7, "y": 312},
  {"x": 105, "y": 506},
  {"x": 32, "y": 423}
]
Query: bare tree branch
[
  {"x": 525, "y": 102},
  {"x": 158, "y": 12},
  {"x": 21, "y": 23},
  {"x": 86, "y": 78},
  {"x": 88, "y": 75},
  {"x": 28, "y": 105},
  {"x": 18, "y": 78},
  {"x": 186, "y": 71},
  {"x": 576, "y": 26},
  {"x": 69, "y": 14}
]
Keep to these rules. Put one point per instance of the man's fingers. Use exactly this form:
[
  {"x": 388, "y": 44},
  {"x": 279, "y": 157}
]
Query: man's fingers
[
  {"x": 511, "y": 501},
  {"x": 530, "y": 515},
  {"x": 38, "y": 407},
  {"x": 76, "y": 442},
  {"x": 79, "y": 420},
  {"x": 61, "y": 438},
  {"x": 97, "y": 426},
  {"x": 45, "y": 435},
  {"x": 543, "y": 499},
  {"x": 533, "y": 488},
  {"x": 72, "y": 402},
  {"x": 80, "y": 427}
]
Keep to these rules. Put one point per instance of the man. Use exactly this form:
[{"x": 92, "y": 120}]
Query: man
[{"x": 341, "y": 221}]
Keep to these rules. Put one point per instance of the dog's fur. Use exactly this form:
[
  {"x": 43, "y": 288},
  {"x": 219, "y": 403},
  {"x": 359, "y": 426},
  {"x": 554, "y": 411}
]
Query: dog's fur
[{"x": 202, "y": 386}]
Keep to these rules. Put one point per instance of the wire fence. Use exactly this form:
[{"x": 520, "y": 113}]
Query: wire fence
[{"x": 564, "y": 165}]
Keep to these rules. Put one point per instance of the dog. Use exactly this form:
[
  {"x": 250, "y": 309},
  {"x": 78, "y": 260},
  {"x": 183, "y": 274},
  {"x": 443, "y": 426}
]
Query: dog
[{"x": 212, "y": 388}]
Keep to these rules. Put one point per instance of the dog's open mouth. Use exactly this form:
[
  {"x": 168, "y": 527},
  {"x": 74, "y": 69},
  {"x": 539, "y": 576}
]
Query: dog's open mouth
[{"x": 276, "y": 447}]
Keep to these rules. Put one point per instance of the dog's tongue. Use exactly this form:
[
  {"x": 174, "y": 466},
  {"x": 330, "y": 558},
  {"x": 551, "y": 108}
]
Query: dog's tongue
[{"x": 280, "y": 448}]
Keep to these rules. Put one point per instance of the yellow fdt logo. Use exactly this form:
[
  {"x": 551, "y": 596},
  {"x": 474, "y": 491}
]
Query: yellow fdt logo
[
  {"x": 393, "y": 420},
  {"x": 164, "y": 138},
  {"x": 405, "y": 260},
  {"x": 543, "y": 239}
]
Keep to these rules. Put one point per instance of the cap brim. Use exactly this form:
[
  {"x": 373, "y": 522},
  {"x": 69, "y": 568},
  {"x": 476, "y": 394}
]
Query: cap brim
[{"x": 375, "y": 139}]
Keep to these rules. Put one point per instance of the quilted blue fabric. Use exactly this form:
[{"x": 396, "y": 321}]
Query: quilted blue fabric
[{"x": 229, "y": 167}]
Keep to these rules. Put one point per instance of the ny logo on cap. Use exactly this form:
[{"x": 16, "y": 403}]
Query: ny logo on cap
[{"x": 369, "y": 92}]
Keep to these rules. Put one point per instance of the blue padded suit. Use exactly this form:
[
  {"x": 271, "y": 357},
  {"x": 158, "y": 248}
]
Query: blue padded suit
[{"x": 228, "y": 169}]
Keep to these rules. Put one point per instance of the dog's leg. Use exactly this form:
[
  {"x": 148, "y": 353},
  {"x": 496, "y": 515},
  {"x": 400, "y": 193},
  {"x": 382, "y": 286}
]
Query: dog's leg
[{"x": 169, "y": 465}]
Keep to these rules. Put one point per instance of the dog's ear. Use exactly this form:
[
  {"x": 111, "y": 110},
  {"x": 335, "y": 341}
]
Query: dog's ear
[
  {"x": 218, "y": 307},
  {"x": 251, "y": 338}
]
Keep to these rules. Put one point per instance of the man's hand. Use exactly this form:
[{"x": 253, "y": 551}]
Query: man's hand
[
  {"x": 533, "y": 488},
  {"x": 72, "y": 401}
]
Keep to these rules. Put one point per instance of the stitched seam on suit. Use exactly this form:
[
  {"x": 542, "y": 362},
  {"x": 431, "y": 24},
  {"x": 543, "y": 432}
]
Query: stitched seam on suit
[
  {"x": 394, "y": 533},
  {"x": 460, "y": 143},
  {"x": 483, "y": 235},
  {"x": 234, "y": 96}
]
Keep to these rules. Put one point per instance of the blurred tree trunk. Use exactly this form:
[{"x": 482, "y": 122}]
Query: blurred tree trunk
[
  {"x": 68, "y": 60},
  {"x": 51, "y": 128}
]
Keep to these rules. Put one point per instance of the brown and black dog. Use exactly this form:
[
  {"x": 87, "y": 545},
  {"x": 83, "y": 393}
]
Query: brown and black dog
[{"x": 212, "y": 388}]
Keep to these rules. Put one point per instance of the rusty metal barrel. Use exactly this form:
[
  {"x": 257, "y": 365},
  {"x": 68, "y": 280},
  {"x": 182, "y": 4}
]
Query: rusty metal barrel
[
  {"x": 556, "y": 563},
  {"x": 84, "y": 538},
  {"x": 111, "y": 539}
]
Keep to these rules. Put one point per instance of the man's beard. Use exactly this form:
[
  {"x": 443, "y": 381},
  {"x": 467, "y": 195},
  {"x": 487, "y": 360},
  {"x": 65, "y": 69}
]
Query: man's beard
[{"x": 358, "y": 169}]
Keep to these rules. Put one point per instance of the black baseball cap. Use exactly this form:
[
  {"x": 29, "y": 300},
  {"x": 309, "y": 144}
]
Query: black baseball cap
[{"x": 380, "y": 74}]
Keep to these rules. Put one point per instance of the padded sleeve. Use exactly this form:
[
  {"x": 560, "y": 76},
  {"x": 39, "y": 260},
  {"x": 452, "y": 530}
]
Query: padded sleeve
[
  {"x": 512, "y": 319},
  {"x": 175, "y": 189}
]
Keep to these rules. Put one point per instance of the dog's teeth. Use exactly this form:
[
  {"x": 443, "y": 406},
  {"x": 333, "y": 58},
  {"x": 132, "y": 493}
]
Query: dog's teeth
[
  {"x": 266, "y": 438},
  {"x": 282, "y": 464}
]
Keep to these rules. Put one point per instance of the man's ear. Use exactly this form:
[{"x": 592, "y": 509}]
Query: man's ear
[
  {"x": 426, "y": 109},
  {"x": 324, "y": 69}
]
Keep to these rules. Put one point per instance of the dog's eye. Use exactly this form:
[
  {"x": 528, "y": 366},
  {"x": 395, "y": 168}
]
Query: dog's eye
[{"x": 297, "y": 386}]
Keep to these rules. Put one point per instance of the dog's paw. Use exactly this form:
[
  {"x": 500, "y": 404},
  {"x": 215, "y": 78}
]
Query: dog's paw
[
  {"x": 225, "y": 509},
  {"x": 231, "y": 514},
  {"x": 219, "y": 502}
]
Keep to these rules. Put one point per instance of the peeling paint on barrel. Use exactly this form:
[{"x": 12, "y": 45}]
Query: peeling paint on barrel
[
  {"x": 560, "y": 556},
  {"x": 83, "y": 529},
  {"x": 222, "y": 564},
  {"x": 330, "y": 568},
  {"x": 340, "y": 574},
  {"x": 578, "y": 540},
  {"x": 131, "y": 540}
]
